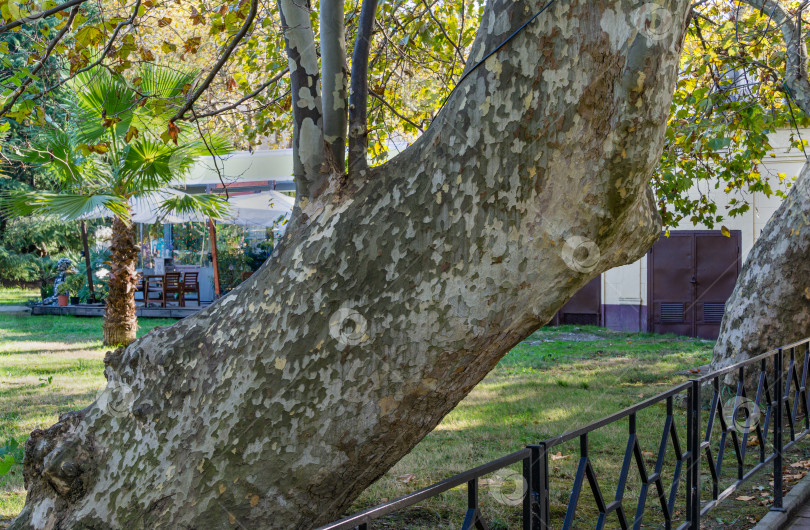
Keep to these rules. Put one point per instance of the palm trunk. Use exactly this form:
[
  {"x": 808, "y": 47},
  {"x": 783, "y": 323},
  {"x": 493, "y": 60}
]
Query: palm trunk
[{"x": 120, "y": 323}]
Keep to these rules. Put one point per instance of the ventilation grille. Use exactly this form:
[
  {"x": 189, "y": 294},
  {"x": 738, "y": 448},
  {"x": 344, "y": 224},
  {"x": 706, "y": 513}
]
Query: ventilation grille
[
  {"x": 713, "y": 313},
  {"x": 671, "y": 312}
]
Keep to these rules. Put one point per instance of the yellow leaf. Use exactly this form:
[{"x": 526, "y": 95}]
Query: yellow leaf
[
  {"x": 725, "y": 231},
  {"x": 131, "y": 133}
]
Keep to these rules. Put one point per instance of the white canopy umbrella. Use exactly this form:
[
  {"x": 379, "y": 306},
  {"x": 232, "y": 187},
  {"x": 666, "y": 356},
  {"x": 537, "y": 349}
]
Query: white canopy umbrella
[
  {"x": 268, "y": 208},
  {"x": 240, "y": 166}
]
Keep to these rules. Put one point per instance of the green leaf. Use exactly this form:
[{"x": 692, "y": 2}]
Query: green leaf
[
  {"x": 716, "y": 144},
  {"x": 5, "y": 464}
]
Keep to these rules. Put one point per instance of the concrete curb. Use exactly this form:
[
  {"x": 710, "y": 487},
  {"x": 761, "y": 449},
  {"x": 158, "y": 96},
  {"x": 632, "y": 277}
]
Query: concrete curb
[
  {"x": 795, "y": 500},
  {"x": 15, "y": 310}
]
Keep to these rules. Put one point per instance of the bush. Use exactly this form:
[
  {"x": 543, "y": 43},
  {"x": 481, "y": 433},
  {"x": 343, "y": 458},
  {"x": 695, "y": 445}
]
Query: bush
[{"x": 16, "y": 267}]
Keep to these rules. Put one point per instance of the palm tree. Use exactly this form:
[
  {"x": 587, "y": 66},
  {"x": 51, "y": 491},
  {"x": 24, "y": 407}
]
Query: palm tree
[{"x": 107, "y": 155}]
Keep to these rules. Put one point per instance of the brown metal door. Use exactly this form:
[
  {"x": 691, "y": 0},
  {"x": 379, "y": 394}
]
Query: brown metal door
[
  {"x": 670, "y": 266},
  {"x": 717, "y": 268},
  {"x": 690, "y": 275},
  {"x": 584, "y": 308}
]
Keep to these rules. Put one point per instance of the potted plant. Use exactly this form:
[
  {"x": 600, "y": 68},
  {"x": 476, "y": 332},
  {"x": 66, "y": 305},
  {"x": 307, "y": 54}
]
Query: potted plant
[{"x": 62, "y": 293}]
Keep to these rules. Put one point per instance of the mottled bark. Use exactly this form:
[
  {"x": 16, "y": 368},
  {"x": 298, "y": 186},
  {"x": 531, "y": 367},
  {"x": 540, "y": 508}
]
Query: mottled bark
[
  {"x": 305, "y": 85},
  {"x": 388, "y": 301},
  {"x": 770, "y": 305},
  {"x": 334, "y": 74},
  {"x": 358, "y": 97},
  {"x": 120, "y": 322}
]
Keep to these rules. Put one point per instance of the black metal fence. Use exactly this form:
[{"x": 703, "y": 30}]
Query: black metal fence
[{"x": 780, "y": 391}]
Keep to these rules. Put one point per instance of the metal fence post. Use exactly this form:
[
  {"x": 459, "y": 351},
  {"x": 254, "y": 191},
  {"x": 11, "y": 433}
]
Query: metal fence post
[
  {"x": 693, "y": 448},
  {"x": 539, "y": 487},
  {"x": 528, "y": 497},
  {"x": 779, "y": 394}
]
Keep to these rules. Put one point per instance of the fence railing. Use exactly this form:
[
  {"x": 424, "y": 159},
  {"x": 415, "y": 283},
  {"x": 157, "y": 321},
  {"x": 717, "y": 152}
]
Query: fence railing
[{"x": 780, "y": 391}]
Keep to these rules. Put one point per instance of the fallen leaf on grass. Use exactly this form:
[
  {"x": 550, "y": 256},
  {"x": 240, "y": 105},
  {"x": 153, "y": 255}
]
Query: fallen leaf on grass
[
  {"x": 744, "y": 498},
  {"x": 559, "y": 456},
  {"x": 407, "y": 477},
  {"x": 648, "y": 454}
]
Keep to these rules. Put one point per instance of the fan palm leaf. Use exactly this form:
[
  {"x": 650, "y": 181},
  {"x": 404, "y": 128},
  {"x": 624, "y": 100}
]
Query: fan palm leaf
[
  {"x": 205, "y": 205},
  {"x": 17, "y": 203},
  {"x": 103, "y": 106}
]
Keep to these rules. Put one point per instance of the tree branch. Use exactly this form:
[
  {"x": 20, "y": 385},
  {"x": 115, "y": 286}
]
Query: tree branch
[
  {"x": 107, "y": 49},
  {"x": 254, "y": 5},
  {"x": 308, "y": 145},
  {"x": 446, "y": 36},
  {"x": 333, "y": 79},
  {"x": 358, "y": 96},
  {"x": 51, "y": 45},
  {"x": 796, "y": 80},
  {"x": 392, "y": 109},
  {"x": 236, "y": 104},
  {"x": 44, "y": 14}
]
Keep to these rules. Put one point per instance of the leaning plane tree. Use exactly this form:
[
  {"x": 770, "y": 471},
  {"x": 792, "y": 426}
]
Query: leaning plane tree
[
  {"x": 396, "y": 288},
  {"x": 770, "y": 304}
]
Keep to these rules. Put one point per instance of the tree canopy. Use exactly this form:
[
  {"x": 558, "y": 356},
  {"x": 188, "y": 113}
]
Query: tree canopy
[{"x": 729, "y": 98}]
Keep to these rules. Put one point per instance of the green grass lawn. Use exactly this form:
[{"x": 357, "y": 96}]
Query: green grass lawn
[
  {"x": 17, "y": 295},
  {"x": 48, "y": 365},
  {"x": 545, "y": 386}
]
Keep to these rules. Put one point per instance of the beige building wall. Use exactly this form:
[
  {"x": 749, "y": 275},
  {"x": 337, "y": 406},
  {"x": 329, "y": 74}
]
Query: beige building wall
[{"x": 627, "y": 285}]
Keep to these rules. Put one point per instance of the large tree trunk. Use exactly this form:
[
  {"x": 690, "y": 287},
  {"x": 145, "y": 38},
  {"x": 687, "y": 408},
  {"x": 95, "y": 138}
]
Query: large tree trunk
[
  {"x": 120, "y": 322},
  {"x": 770, "y": 305},
  {"x": 387, "y": 300}
]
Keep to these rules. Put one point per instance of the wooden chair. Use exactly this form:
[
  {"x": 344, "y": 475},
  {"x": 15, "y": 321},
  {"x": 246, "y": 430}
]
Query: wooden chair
[
  {"x": 190, "y": 285},
  {"x": 153, "y": 290},
  {"x": 172, "y": 286}
]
